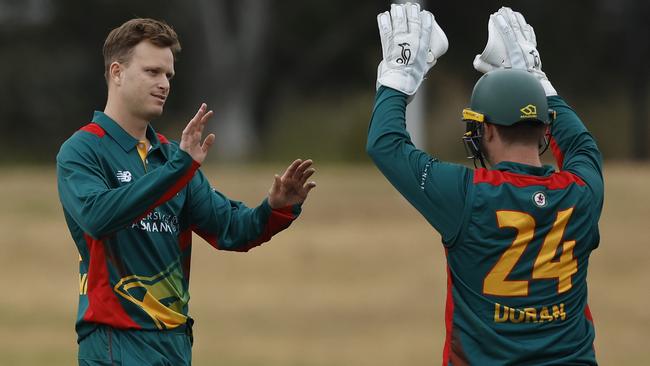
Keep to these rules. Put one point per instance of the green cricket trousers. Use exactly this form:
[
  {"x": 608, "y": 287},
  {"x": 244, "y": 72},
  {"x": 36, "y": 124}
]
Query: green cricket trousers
[{"x": 107, "y": 346}]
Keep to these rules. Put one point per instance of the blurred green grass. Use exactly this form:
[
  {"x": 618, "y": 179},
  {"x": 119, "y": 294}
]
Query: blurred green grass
[{"x": 359, "y": 279}]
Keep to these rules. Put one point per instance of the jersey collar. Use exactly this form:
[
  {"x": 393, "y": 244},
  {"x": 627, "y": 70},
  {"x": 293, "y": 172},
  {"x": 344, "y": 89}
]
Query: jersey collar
[
  {"x": 126, "y": 141},
  {"x": 540, "y": 171}
]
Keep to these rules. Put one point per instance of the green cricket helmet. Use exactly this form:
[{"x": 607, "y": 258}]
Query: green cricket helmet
[{"x": 503, "y": 97}]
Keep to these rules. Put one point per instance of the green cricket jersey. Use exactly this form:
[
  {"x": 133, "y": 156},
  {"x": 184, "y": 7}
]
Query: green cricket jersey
[
  {"x": 132, "y": 221},
  {"x": 517, "y": 240}
]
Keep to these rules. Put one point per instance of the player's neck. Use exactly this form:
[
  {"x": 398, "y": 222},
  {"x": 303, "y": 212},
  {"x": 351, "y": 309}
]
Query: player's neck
[
  {"x": 517, "y": 154},
  {"x": 133, "y": 125}
]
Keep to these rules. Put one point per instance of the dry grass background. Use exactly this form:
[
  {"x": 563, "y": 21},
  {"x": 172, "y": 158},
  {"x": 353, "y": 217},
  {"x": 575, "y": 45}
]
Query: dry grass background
[{"x": 359, "y": 279}]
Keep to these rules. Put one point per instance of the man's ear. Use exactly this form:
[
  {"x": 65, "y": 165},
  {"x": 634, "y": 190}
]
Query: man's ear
[
  {"x": 488, "y": 132},
  {"x": 115, "y": 72}
]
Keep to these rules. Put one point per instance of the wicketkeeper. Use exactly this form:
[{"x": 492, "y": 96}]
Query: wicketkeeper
[{"x": 517, "y": 234}]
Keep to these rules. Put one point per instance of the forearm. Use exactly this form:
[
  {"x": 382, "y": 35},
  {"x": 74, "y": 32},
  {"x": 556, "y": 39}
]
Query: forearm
[
  {"x": 436, "y": 189},
  {"x": 389, "y": 144},
  {"x": 231, "y": 225},
  {"x": 572, "y": 144}
]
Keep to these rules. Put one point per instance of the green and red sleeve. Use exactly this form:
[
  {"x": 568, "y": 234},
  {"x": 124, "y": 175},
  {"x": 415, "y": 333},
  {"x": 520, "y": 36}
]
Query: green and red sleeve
[
  {"x": 574, "y": 148},
  {"x": 101, "y": 210},
  {"x": 230, "y": 225}
]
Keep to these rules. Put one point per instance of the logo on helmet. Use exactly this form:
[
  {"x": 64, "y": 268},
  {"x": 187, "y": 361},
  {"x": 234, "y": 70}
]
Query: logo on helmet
[{"x": 529, "y": 111}]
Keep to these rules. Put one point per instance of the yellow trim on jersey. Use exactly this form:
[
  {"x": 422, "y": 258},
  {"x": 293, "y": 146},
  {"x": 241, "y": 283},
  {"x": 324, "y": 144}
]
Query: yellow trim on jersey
[
  {"x": 167, "y": 286},
  {"x": 142, "y": 150}
]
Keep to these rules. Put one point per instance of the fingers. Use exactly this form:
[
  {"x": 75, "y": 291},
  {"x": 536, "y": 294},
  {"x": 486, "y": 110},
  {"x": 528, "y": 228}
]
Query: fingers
[
  {"x": 308, "y": 187},
  {"x": 517, "y": 23},
  {"x": 427, "y": 20},
  {"x": 383, "y": 22},
  {"x": 208, "y": 142},
  {"x": 515, "y": 53},
  {"x": 308, "y": 173},
  {"x": 197, "y": 123},
  {"x": 291, "y": 170},
  {"x": 197, "y": 117},
  {"x": 398, "y": 18},
  {"x": 412, "y": 17},
  {"x": 300, "y": 170},
  {"x": 526, "y": 29},
  {"x": 206, "y": 117},
  {"x": 190, "y": 125}
]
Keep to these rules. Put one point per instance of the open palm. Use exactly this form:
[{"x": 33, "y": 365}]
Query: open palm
[{"x": 292, "y": 187}]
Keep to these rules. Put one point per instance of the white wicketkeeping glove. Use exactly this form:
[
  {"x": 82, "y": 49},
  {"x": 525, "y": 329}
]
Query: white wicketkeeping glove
[
  {"x": 512, "y": 44},
  {"x": 411, "y": 43}
]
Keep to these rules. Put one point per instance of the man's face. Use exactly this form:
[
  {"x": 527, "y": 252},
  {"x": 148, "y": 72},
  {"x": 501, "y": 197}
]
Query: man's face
[{"x": 144, "y": 80}]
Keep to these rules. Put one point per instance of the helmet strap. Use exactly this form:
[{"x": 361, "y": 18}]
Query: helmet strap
[
  {"x": 546, "y": 141},
  {"x": 473, "y": 144}
]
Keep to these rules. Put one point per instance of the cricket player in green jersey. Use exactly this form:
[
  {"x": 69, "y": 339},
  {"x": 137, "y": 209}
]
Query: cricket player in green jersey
[
  {"x": 132, "y": 199},
  {"x": 517, "y": 234}
]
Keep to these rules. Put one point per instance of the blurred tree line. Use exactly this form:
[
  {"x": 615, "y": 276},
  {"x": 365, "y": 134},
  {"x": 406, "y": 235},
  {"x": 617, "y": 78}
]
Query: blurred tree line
[{"x": 297, "y": 78}]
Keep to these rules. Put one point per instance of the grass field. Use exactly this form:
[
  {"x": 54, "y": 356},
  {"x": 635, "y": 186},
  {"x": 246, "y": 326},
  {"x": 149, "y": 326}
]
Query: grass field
[{"x": 359, "y": 279}]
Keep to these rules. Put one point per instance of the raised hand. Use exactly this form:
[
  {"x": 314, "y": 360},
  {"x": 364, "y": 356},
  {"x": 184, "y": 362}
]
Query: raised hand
[
  {"x": 292, "y": 187},
  {"x": 193, "y": 134},
  {"x": 411, "y": 43},
  {"x": 512, "y": 44}
]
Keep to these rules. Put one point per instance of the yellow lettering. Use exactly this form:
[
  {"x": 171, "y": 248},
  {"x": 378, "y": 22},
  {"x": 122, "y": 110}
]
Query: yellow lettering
[
  {"x": 564, "y": 268},
  {"x": 531, "y": 315},
  {"x": 496, "y": 282},
  {"x": 497, "y": 311},
  {"x": 503, "y": 314},
  {"x": 558, "y": 312},
  {"x": 544, "y": 315},
  {"x": 519, "y": 318}
]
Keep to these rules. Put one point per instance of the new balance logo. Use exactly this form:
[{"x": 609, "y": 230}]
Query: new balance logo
[
  {"x": 124, "y": 176},
  {"x": 406, "y": 54}
]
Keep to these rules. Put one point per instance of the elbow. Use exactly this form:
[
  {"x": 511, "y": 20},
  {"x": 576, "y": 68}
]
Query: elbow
[
  {"x": 372, "y": 149},
  {"x": 94, "y": 228},
  {"x": 95, "y": 224},
  {"x": 379, "y": 152}
]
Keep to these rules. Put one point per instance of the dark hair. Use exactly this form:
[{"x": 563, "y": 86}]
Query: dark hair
[
  {"x": 120, "y": 41},
  {"x": 522, "y": 133}
]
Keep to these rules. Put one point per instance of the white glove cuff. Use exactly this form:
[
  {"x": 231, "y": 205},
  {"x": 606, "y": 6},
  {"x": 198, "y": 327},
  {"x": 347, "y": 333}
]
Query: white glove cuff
[{"x": 400, "y": 80}]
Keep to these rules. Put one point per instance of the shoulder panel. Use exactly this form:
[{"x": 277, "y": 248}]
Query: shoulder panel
[
  {"x": 559, "y": 180},
  {"x": 94, "y": 128}
]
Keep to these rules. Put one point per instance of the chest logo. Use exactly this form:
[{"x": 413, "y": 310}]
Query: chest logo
[
  {"x": 539, "y": 198},
  {"x": 124, "y": 176}
]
